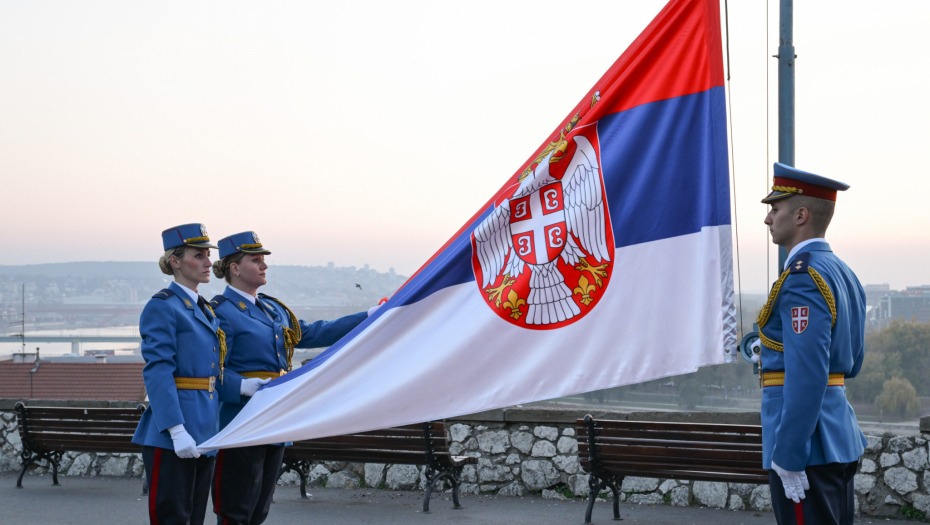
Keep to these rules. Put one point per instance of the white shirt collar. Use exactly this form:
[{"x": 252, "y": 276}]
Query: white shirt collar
[
  {"x": 194, "y": 295},
  {"x": 250, "y": 297},
  {"x": 796, "y": 249}
]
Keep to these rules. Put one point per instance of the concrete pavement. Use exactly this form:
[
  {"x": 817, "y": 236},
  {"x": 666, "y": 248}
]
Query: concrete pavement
[{"x": 119, "y": 501}]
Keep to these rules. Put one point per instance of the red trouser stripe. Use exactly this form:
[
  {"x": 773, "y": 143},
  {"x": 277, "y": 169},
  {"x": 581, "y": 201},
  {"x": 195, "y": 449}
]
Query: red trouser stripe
[
  {"x": 153, "y": 490},
  {"x": 799, "y": 513}
]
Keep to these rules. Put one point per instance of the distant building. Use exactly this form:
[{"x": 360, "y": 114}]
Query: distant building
[
  {"x": 875, "y": 292},
  {"x": 912, "y": 303},
  {"x": 84, "y": 381}
]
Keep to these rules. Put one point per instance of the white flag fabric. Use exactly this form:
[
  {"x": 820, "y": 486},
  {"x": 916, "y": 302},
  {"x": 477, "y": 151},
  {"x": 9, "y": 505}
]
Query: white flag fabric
[{"x": 605, "y": 260}]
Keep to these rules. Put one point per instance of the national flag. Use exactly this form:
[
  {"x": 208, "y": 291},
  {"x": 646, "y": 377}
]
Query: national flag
[{"x": 605, "y": 260}]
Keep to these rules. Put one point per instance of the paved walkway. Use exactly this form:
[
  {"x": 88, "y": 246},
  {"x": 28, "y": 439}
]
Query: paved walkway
[{"x": 119, "y": 501}]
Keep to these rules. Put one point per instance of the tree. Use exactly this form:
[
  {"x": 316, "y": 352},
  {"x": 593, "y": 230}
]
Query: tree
[
  {"x": 867, "y": 386},
  {"x": 898, "y": 398},
  {"x": 905, "y": 349}
]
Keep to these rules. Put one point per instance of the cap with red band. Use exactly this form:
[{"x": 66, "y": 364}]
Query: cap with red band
[{"x": 790, "y": 181}]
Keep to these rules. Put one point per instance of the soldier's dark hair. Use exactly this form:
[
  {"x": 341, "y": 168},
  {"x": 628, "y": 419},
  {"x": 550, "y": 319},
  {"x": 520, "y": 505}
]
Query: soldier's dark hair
[
  {"x": 164, "y": 262},
  {"x": 221, "y": 267},
  {"x": 821, "y": 211}
]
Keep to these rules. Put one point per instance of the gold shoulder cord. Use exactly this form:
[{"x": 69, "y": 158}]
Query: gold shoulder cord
[
  {"x": 221, "y": 335},
  {"x": 291, "y": 335},
  {"x": 825, "y": 291},
  {"x": 765, "y": 314}
]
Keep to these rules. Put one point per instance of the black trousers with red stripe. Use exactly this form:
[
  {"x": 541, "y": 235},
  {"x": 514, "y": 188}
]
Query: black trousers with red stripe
[
  {"x": 830, "y": 500},
  {"x": 178, "y": 488},
  {"x": 244, "y": 483}
]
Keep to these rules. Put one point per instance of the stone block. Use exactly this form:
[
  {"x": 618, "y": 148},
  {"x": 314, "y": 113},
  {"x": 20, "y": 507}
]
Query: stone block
[
  {"x": 459, "y": 432},
  {"x": 567, "y": 445},
  {"x": 495, "y": 442},
  {"x": 891, "y": 500},
  {"x": 901, "y": 480},
  {"x": 638, "y": 484},
  {"x": 578, "y": 484},
  {"x": 567, "y": 464},
  {"x": 742, "y": 489},
  {"x": 570, "y": 432},
  {"x": 13, "y": 440},
  {"x": 523, "y": 441},
  {"x": 874, "y": 446},
  {"x": 867, "y": 466},
  {"x": 344, "y": 479},
  {"x": 115, "y": 466},
  {"x": 484, "y": 489},
  {"x": 402, "y": 477},
  {"x": 374, "y": 474},
  {"x": 864, "y": 483},
  {"x": 495, "y": 473},
  {"x": 81, "y": 465},
  {"x": 915, "y": 459},
  {"x": 925, "y": 424},
  {"x": 318, "y": 475},
  {"x": 514, "y": 489},
  {"x": 513, "y": 459},
  {"x": 921, "y": 502},
  {"x": 543, "y": 449},
  {"x": 469, "y": 474},
  {"x": 471, "y": 444},
  {"x": 456, "y": 448},
  {"x": 736, "y": 503},
  {"x": 289, "y": 478},
  {"x": 543, "y": 432},
  {"x": 711, "y": 493},
  {"x": 468, "y": 488},
  {"x": 889, "y": 459},
  {"x": 899, "y": 444},
  {"x": 539, "y": 474},
  {"x": 645, "y": 499},
  {"x": 551, "y": 494},
  {"x": 681, "y": 496},
  {"x": 761, "y": 498},
  {"x": 667, "y": 485},
  {"x": 335, "y": 466},
  {"x": 138, "y": 467}
]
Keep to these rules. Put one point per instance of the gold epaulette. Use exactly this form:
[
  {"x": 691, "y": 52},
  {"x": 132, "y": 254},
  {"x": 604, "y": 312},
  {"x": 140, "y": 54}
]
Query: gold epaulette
[{"x": 292, "y": 335}]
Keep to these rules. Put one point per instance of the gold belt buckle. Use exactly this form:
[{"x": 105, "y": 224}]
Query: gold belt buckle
[{"x": 212, "y": 386}]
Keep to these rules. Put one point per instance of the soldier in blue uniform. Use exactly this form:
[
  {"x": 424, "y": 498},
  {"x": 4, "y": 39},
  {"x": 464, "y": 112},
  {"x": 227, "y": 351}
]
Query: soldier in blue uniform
[
  {"x": 261, "y": 334},
  {"x": 812, "y": 330},
  {"x": 183, "y": 347}
]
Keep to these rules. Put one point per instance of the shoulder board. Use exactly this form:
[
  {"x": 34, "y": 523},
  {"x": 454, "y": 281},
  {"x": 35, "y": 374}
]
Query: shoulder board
[
  {"x": 218, "y": 300},
  {"x": 266, "y": 296},
  {"x": 800, "y": 263},
  {"x": 164, "y": 294}
]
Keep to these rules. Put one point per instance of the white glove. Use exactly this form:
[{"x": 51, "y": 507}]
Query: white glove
[
  {"x": 795, "y": 483},
  {"x": 373, "y": 309},
  {"x": 756, "y": 348},
  {"x": 184, "y": 445},
  {"x": 249, "y": 386}
]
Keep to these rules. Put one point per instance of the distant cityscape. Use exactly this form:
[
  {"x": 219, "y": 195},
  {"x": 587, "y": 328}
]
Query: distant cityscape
[
  {"x": 69, "y": 297},
  {"x": 884, "y": 305}
]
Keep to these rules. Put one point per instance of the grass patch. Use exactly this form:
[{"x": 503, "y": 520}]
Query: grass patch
[
  {"x": 910, "y": 512},
  {"x": 565, "y": 491},
  {"x": 382, "y": 485},
  {"x": 667, "y": 498}
]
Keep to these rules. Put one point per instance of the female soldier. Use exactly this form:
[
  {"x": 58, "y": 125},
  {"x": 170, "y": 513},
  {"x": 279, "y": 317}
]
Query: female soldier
[
  {"x": 261, "y": 335},
  {"x": 183, "y": 349}
]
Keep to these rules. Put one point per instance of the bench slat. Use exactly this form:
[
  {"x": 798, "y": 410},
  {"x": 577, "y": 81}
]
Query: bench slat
[
  {"x": 693, "y": 475},
  {"x": 682, "y": 436},
  {"x": 41, "y": 438},
  {"x": 649, "y": 464},
  {"x": 661, "y": 425},
  {"x": 77, "y": 417},
  {"x": 83, "y": 426},
  {"x": 696, "y": 445},
  {"x": 607, "y": 451}
]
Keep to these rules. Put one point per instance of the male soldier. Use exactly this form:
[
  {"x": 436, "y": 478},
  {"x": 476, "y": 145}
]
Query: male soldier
[{"x": 812, "y": 331}]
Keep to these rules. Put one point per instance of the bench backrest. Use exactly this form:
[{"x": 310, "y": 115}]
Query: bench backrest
[
  {"x": 407, "y": 445},
  {"x": 692, "y": 451},
  {"x": 79, "y": 429}
]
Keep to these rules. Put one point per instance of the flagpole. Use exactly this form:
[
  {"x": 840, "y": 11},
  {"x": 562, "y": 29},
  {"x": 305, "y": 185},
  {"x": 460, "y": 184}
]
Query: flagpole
[{"x": 786, "y": 59}]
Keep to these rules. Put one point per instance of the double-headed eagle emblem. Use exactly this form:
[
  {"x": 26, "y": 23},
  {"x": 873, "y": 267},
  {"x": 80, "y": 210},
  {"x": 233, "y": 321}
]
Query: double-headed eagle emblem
[{"x": 550, "y": 228}]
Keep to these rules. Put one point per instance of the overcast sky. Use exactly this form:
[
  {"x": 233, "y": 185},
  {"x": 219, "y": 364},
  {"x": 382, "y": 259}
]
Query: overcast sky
[{"x": 361, "y": 132}]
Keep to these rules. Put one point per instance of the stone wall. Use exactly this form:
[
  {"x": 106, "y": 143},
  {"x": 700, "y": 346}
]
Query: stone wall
[{"x": 523, "y": 451}]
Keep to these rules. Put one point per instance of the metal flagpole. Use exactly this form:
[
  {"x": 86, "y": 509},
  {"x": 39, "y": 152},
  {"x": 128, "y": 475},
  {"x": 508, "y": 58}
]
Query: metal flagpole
[{"x": 786, "y": 61}]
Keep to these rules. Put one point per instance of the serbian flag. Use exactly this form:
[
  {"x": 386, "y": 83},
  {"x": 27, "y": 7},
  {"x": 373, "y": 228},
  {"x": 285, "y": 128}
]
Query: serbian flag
[{"x": 605, "y": 260}]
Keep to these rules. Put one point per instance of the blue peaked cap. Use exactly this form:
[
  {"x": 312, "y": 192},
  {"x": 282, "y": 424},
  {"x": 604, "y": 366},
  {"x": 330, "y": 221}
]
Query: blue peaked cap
[
  {"x": 792, "y": 181},
  {"x": 194, "y": 235},
  {"x": 246, "y": 242}
]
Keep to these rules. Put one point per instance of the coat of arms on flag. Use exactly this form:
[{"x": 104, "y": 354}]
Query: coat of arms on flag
[
  {"x": 542, "y": 258},
  {"x": 799, "y": 318}
]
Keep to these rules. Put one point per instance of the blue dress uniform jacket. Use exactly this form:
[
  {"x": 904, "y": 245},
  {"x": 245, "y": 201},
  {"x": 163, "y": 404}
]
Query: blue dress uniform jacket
[
  {"x": 256, "y": 343},
  {"x": 806, "y": 422},
  {"x": 178, "y": 340}
]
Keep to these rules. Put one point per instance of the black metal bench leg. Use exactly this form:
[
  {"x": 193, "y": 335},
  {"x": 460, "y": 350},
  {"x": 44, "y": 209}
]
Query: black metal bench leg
[
  {"x": 614, "y": 486},
  {"x": 26, "y": 462},
  {"x": 145, "y": 486},
  {"x": 596, "y": 486},
  {"x": 455, "y": 492},
  {"x": 54, "y": 472},
  {"x": 303, "y": 483},
  {"x": 429, "y": 492}
]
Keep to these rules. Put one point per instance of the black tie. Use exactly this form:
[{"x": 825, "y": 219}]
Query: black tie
[
  {"x": 203, "y": 306},
  {"x": 261, "y": 307}
]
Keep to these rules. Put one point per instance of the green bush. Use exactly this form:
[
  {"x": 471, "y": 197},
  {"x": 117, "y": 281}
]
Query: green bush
[{"x": 898, "y": 398}]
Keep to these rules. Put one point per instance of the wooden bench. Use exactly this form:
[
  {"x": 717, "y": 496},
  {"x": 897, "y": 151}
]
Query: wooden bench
[
  {"x": 420, "y": 444},
  {"x": 611, "y": 450},
  {"x": 49, "y": 432}
]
